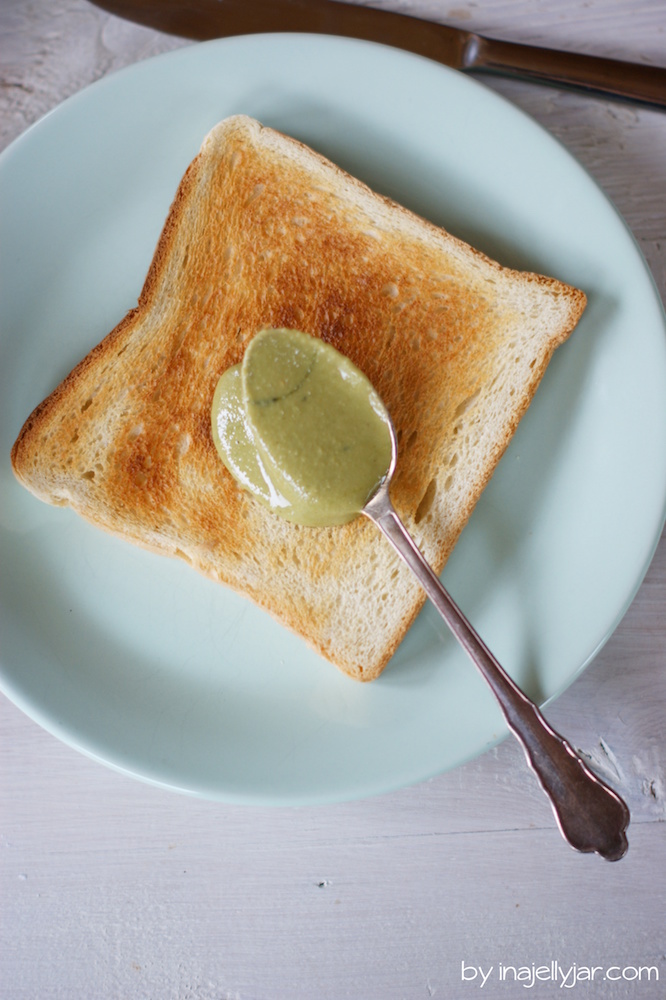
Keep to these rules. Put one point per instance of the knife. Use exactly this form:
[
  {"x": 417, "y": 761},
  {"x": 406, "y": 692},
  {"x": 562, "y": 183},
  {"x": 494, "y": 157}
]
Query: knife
[{"x": 463, "y": 50}]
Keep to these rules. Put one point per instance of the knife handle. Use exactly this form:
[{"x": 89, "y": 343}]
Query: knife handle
[{"x": 646, "y": 84}]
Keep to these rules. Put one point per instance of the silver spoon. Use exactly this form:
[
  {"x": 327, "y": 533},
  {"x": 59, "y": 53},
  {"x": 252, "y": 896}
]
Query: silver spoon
[{"x": 591, "y": 817}]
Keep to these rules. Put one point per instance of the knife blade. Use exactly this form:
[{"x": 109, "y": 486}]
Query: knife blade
[{"x": 463, "y": 50}]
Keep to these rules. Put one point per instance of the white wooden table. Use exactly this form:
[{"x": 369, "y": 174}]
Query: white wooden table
[{"x": 113, "y": 889}]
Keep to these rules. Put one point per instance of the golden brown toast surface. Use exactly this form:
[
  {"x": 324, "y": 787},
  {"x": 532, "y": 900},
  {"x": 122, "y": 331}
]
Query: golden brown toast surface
[{"x": 265, "y": 232}]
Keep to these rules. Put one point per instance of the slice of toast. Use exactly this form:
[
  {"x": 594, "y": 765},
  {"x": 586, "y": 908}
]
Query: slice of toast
[{"x": 265, "y": 232}]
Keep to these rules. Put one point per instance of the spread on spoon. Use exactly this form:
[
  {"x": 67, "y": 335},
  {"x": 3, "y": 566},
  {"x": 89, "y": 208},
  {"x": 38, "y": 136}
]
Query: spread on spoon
[{"x": 301, "y": 427}]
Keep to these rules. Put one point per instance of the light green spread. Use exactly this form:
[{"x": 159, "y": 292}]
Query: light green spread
[{"x": 300, "y": 427}]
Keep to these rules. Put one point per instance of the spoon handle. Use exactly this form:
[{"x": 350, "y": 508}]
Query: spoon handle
[{"x": 589, "y": 814}]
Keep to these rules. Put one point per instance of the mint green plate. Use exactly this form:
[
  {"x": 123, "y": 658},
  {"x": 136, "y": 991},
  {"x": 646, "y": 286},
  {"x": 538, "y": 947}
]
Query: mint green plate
[{"x": 145, "y": 666}]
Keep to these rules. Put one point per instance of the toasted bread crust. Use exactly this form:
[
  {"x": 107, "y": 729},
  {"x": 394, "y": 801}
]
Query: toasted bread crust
[{"x": 265, "y": 232}]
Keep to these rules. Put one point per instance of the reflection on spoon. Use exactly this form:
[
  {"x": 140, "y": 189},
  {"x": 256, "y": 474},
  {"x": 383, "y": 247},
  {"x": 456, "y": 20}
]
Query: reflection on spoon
[{"x": 300, "y": 427}]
